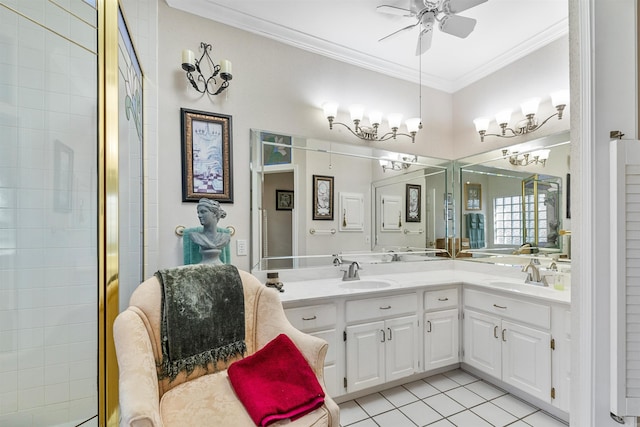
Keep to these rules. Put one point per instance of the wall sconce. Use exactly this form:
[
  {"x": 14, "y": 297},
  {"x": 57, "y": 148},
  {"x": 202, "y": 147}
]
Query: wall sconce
[
  {"x": 401, "y": 163},
  {"x": 370, "y": 133},
  {"x": 191, "y": 64},
  {"x": 529, "y": 109},
  {"x": 534, "y": 158}
]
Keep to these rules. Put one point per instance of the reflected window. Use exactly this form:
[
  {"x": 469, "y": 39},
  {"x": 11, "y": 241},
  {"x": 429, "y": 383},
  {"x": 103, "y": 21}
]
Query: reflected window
[{"x": 507, "y": 220}]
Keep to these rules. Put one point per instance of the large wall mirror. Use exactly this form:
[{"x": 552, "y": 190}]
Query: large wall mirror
[
  {"x": 517, "y": 202},
  {"x": 313, "y": 199}
]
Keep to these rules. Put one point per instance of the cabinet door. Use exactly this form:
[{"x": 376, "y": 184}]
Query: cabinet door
[
  {"x": 482, "y": 348},
  {"x": 441, "y": 339},
  {"x": 365, "y": 355},
  {"x": 401, "y": 347},
  {"x": 526, "y": 359}
]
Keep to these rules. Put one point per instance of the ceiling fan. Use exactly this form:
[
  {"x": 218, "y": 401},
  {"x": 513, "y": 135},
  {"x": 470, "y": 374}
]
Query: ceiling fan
[{"x": 428, "y": 13}]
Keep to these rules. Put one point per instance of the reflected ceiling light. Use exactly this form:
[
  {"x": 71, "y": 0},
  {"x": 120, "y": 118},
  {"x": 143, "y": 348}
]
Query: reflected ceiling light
[
  {"x": 538, "y": 157},
  {"x": 370, "y": 133},
  {"x": 401, "y": 162},
  {"x": 529, "y": 109},
  {"x": 201, "y": 83}
]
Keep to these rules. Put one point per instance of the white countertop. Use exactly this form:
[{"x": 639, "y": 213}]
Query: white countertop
[{"x": 303, "y": 289}]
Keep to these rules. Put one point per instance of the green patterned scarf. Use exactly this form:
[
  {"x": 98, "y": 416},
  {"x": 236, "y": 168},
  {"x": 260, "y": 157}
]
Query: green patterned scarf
[{"x": 202, "y": 317}]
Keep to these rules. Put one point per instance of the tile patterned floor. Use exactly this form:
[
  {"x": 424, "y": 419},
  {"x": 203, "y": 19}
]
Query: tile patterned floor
[{"x": 455, "y": 398}]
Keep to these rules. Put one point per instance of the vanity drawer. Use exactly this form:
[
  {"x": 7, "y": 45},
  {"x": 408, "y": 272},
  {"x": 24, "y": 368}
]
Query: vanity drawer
[
  {"x": 312, "y": 317},
  {"x": 523, "y": 311},
  {"x": 374, "y": 308},
  {"x": 441, "y": 299}
]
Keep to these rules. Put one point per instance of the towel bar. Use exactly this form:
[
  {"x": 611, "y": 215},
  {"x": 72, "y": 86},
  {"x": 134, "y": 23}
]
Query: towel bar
[{"x": 314, "y": 231}]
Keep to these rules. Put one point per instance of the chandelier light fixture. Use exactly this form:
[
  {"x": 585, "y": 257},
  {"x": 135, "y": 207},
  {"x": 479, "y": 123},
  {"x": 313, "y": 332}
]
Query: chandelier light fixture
[
  {"x": 201, "y": 83},
  {"x": 530, "y": 124},
  {"x": 370, "y": 133},
  {"x": 538, "y": 157},
  {"x": 401, "y": 162}
]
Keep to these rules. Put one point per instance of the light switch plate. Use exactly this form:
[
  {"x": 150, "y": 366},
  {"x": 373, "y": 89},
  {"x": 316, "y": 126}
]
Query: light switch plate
[{"x": 241, "y": 247}]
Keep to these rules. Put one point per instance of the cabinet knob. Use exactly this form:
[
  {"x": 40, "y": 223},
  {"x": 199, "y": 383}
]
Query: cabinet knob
[
  {"x": 385, "y": 308},
  {"x": 310, "y": 318},
  {"x": 443, "y": 299},
  {"x": 383, "y": 336},
  {"x": 495, "y": 331},
  {"x": 500, "y": 306},
  {"x": 390, "y": 337},
  {"x": 429, "y": 323},
  {"x": 503, "y": 337}
]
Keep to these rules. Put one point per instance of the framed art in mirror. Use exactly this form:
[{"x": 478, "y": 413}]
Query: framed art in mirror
[
  {"x": 276, "y": 154},
  {"x": 322, "y": 197},
  {"x": 413, "y": 203},
  {"x": 472, "y": 196},
  {"x": 284, "y": 200},
  {"x": 206, "y": 156}
]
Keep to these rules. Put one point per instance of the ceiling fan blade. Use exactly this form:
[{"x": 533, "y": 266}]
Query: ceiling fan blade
[
  {"x": 457, "y": 6},
  {"x": 459, "y": 26},
  {"x": 416, "y": 6},
  {"x": 394, "y": 10},
  {"x": 399, "y": 31},
  {"x": 424, "y": 41}
]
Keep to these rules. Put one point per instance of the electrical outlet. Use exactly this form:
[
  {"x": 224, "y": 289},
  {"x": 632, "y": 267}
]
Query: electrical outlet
[{"x": 241, "y": 247}]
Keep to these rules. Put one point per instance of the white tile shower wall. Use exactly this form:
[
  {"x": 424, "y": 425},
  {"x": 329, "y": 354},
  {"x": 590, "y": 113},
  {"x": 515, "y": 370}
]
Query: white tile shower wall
[{"x": 48, "y": 256}]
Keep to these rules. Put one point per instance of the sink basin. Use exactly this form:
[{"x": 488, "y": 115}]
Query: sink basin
[{"x": 365, "y": 284}]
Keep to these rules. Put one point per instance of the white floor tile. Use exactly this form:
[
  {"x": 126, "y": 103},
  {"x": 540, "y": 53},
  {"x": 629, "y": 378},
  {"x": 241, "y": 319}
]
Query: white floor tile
[
  {"x": 399, "y": 396},
  {"x": 540, "y": 419},
  {"x": 365, "y": 423},
  {"x": 519, "y": 424},
  {"x": 461, "y": 377},
  {"x": 444, "y": 404},
  {"x": 421, "y": 389},
  {"x": 350, "y": 412},
  {"x": 442, "y": 423},
  {"x": 468, "y": 419},
  {"x": 485, "y": 390},
  {"x": 442, "y": 383},
  {"x": 514, "y": 406},
  {"x": 465, "y": 397},
  {"x": 393, "y": 418},
  {"x": 420, "y": 413},
  {"x": 375, "y": 404},
  {"x": 493, "y": 414}
]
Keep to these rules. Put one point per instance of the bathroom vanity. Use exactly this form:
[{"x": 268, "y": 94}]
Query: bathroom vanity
[{"x": 389, "y": 328}]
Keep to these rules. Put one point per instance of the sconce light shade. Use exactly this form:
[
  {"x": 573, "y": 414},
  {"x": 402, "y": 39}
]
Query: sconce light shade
[
  {"x": 560, "y": 97},
  {"x": 413, "y": 124},
  {"x": 356, "y": 111},
  {"x": 482, "y": 124},
  {"x": 375, "y": 117},
  {"x": 330, "y": 109},
  {"x": 395, "y": 120},
  {"x": 530, "y": 106},
  {"x": 541, "y": 154},
  {"x": 503, "y": 117}
]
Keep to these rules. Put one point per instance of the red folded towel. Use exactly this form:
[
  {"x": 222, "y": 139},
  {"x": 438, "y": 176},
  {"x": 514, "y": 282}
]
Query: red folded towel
[{"x": 276, "y": 383}]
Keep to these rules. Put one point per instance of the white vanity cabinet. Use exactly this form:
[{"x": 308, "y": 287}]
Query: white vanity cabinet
[
  {"x": 510, "y": 339},
  {"x": 320, "y": 321},
  {"x": 441, "y": 328},
  {"x": 381, "y": 340}
]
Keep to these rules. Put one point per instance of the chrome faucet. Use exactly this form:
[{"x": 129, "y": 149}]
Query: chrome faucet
[
  {"x": 352, "y": 272},
  {"x": 533, "y": 273},
  {"x": 337, "y": 260},
  {"x": 394, "y": 256}
]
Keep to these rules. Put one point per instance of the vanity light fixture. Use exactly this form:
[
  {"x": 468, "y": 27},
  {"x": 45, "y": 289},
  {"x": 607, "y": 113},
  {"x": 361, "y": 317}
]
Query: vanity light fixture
[
  {"x": 370, "y": 133},
  {"x": 538, "y": 157},
  {"x": 530, "y": 124},
  {"x": 401, "y": 163},
  {"x": 201, "y": 83}
]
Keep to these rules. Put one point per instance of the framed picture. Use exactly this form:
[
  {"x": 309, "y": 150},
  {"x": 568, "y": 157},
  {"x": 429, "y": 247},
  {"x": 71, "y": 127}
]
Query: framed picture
[
  {"x": 284, "y": 200},
  {"x": 472, "y": 196},
  {"x": 322, "y": 197},
  {"x": 275, "y": 154},
  {"x": 413, "y": 203},
  {"x": 206, "y": 156}
]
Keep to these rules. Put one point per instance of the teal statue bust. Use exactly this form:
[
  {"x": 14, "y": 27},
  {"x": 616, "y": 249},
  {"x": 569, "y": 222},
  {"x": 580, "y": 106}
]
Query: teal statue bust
[{"x": 210, "y": 240}]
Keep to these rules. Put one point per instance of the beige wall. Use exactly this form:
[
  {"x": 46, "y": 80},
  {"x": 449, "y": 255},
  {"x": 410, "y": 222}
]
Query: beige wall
[{"x": 280, "y": 88}]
